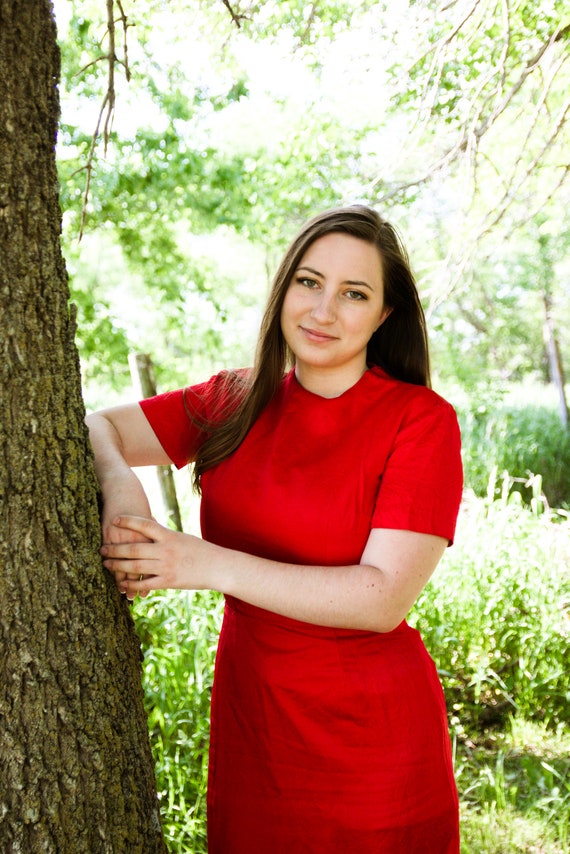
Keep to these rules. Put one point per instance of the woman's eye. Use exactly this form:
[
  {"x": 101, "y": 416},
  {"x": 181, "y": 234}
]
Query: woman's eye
[
  {"x": 308, "y": 283},
  {"x": 356, "y": 295}
]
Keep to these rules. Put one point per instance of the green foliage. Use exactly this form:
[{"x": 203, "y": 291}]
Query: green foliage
[
  {"x": 490, "y": 329},
  {"x": 179, "y": 632},
  {"x": 482, "y": 52},
  {"x": 307, "y": 24},
  {"x": 98, "y": 334},
  {"x": 496, "y": 616},
  {"x": 515, "y": 791},
  {"x": 525, "y": 440}
]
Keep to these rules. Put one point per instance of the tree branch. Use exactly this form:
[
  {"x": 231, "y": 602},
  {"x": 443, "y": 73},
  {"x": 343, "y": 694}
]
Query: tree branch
[
  {"x": 484, "y": 112},
  {"x": 107, "y": 110},
  {"x": 237, "y": 19}
]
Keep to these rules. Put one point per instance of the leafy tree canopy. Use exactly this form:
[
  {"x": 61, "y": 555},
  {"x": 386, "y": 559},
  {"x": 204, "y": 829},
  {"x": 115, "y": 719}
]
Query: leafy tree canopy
[{"x": 245, "y": 118}]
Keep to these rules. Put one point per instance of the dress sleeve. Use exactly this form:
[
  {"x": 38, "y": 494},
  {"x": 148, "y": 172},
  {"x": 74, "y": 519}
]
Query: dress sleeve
[
  {"x": 179, "y": 418},
  {"x": 422, "y": 483}
]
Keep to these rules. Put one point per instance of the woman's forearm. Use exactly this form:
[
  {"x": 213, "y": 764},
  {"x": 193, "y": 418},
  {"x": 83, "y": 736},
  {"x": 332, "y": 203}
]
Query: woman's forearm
[
  {"x": 356, "y": 596},
  {"x": 107, "y": 448},
  {"x": 121, "y": 490},
  {"x": 375, "y": 594}
]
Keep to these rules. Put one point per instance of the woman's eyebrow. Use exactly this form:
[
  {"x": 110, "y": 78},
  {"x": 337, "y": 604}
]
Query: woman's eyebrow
[
  {"x": 348, "y": 281},
  {"x": 310, "y": 270}
]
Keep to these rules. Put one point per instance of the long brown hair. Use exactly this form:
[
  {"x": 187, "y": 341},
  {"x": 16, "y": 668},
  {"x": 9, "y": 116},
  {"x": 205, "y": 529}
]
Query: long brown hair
[{"x": 399, "y": 345}]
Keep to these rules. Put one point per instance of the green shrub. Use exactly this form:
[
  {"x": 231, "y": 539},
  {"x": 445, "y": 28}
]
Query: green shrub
[
  {"x": 495, "y": 617},
  {"x": 523, "y": 440}
]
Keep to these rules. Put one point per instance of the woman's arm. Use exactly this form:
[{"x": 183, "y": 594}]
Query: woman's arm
[
  {"x": 375, "y": 595},
  {"x": 121, "y": 437}
]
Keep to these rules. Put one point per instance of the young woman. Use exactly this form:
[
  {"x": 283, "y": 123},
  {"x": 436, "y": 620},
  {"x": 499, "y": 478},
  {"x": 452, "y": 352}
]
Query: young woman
[{"x": 331, "y": 479}]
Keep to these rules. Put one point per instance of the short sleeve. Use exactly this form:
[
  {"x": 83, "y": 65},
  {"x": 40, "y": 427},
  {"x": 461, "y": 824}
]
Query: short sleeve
[
  {"x": 179, "y": 418},
  {"x": 422, "y": 483}
]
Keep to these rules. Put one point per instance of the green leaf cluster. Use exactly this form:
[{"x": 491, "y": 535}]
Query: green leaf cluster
[{"x": 434, "y": 142}]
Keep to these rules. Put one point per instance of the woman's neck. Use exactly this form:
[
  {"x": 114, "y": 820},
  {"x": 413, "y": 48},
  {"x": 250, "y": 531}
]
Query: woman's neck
[{"x": 328, "y": 384}]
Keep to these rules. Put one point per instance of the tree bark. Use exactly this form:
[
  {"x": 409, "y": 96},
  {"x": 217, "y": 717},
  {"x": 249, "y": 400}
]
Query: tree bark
[{"x": 77, "y": 772}]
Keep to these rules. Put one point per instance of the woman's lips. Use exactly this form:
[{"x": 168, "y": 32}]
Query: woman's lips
[{"x": 315, "y": 335}]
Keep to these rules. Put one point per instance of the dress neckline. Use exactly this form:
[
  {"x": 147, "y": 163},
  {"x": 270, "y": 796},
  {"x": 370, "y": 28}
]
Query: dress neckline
[{"x": 293, "y": 382}]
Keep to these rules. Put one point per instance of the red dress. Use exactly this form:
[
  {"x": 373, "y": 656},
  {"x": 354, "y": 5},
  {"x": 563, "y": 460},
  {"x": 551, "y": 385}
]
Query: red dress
[{"x": 325, "y": 740}]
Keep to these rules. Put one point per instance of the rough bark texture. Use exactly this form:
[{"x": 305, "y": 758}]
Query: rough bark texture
[{"x": 76, "y": 771}]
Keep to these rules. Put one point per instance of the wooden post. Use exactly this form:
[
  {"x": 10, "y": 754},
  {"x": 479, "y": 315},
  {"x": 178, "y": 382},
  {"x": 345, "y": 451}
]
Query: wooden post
[
  {"x": 554, "y": 358},
  {"x": 142, "y": 375}
]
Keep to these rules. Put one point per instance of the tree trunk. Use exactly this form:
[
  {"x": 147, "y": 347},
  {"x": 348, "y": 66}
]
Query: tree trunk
[{"x": 77, "y": 771}]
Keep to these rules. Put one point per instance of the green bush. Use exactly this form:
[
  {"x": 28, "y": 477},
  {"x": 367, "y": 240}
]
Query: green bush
[
  {"x": 523, "y": 440},
  {"x": 495, "y": 617}
]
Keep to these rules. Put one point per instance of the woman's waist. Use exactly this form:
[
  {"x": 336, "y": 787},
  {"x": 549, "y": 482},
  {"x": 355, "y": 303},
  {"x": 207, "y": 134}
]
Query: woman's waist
[
  {"x": 268, "y": 621},
  {"x": 260, "y": 648}
]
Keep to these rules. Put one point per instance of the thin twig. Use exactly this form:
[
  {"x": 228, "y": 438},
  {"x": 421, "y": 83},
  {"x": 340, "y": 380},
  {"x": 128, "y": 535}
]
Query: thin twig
[
  {"x": 126, "y": 25},
  {"x": 111, "y": 74},
  {"x": 89, "y": 166},
  {"x": 89, "y": 64},
  {"x": 107, "y": 111},
  {"x": 235, "y": 17}
]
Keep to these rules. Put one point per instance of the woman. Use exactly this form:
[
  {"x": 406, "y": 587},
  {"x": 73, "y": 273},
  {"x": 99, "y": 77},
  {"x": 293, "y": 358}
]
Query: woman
[{"x": 329, "y": 494}]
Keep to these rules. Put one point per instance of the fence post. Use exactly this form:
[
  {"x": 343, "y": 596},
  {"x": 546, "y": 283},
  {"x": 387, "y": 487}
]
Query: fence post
[
  {"x": 554, "y": 357},
  {"x": 142, "y": 375}
]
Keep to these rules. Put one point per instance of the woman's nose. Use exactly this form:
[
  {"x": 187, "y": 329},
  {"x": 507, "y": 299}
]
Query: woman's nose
[{"x": 323, "y": 308}]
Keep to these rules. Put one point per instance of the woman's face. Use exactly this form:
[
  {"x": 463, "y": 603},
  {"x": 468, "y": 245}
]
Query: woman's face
[{"x": 334, "y": 304}]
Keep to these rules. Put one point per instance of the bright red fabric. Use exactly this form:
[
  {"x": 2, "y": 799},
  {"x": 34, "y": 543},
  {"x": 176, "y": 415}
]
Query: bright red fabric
[{"x": 325, "y": 740}]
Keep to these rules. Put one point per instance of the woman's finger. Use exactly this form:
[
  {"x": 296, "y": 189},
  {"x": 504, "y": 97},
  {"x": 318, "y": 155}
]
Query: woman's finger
[
  {"x": 149, "y": 528},
  {"x": 131, "y": 570},
  {"x": 129, "y": 551},
  {"x": 138, "y": 587}
]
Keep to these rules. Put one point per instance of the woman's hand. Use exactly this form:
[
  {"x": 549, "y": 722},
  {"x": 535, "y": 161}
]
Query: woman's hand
[{"x": 152, "y": 557}]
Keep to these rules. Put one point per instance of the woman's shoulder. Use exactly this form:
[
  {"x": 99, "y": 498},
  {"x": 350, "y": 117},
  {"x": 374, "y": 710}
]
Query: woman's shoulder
[
  {"x": 410, "y": 400},
  {"x": 225, "y": 378},
  {"x": 416, "y": 397},
  {"x": 218, "y": 393}
]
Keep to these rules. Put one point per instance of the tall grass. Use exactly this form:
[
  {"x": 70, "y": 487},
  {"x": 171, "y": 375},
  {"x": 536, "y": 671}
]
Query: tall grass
[
  {"x": 495, "y": 619},
  {"x": 515, "y": 790},
  {"x": 523, "y": 440},
  {"x": 179, "y": 633},
  {"x": 496, "y": 614}
]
